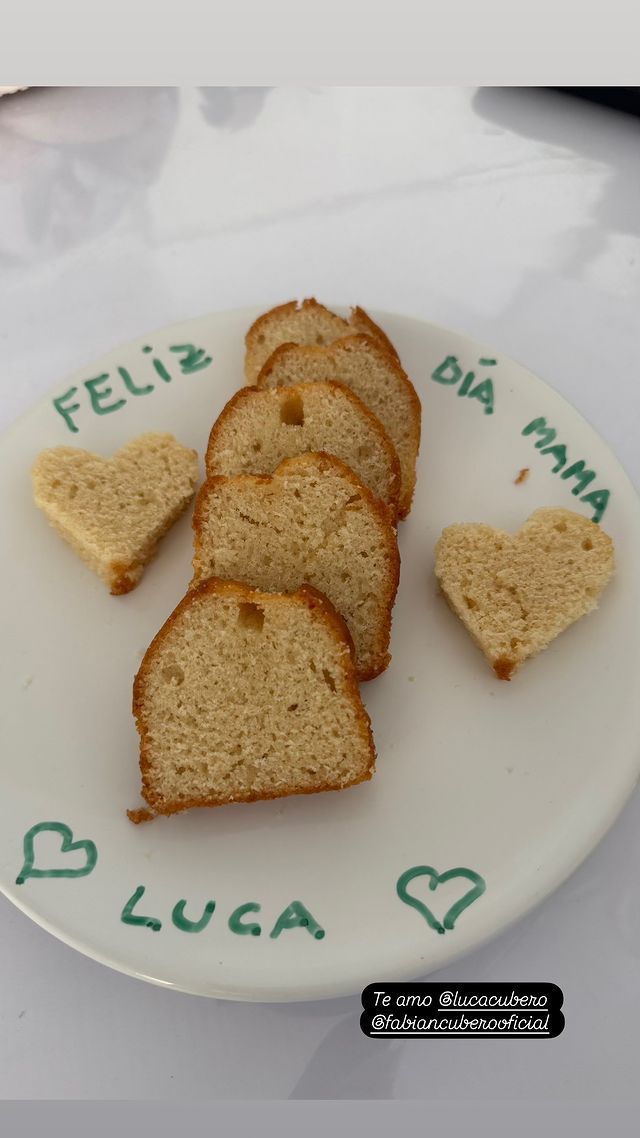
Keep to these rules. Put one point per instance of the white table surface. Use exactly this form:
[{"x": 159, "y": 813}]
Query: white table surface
[{"x": 512, "y": 215}]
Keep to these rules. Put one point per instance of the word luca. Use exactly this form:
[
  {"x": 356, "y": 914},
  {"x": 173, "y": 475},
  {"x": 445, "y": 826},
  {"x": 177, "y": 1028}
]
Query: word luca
[
  {"x": 449, "y": 373},
  {"x": 295, "y": 916},
  {"x": 105, "y": 393}
]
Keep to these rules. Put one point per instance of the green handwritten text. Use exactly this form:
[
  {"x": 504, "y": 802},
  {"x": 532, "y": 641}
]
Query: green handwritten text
[
  {"x": 435, "y": 879},
  {"x": 245, "y": 928},
  {"x": 547, "y": 445},
  {"x": 184, "y": 924},
  {"x": 29, "y": 868},
  {"x": 450, "y": 373},
  {"x": 107, "y": 392},
  {"x": 294, "y": 917},
  {"x": 128, "y": 917}
]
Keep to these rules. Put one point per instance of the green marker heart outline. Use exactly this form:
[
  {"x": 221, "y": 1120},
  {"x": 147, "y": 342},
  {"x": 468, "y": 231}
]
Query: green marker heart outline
[
  {"x": 68, "y": 846},
  {"x": 478, "y": 887}
]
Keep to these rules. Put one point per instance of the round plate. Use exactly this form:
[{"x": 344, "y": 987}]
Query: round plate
[{"x": 486, "y": 795}]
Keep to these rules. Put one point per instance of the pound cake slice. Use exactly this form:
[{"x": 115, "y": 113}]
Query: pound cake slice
[
  {"x": 311, "y": 522},
  {"x": 515, "y": 594},
  {"x": 113, "y": 511},
  {"x": 258, "y": 429},
  {"x": 362, "y": 364},
  {"x": 245, "y": 695},
  {"x": 303, "y": 323}
]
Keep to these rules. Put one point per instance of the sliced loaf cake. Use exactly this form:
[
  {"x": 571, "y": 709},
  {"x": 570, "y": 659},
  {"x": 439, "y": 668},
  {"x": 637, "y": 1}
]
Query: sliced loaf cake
[
  {"x": 245, "y": 695},
  {"x": 363, "y": 365},
  {"x": 305, "y": 322},
  {"x": 313, "y": 521},
  {"x": 258, "y": 429}
]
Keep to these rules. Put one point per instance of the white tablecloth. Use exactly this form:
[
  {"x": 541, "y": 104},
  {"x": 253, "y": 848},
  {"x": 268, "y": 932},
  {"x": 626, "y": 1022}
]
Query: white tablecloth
[{"x": 512, "y": 215}]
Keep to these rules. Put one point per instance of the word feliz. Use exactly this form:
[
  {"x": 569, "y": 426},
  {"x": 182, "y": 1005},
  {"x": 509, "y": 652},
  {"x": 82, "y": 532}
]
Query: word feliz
[
  {"x": 295, "y": 916},
  {"x": 449, "y": 373},
  {"x": 547, "y": 444},
  {"x": 107, "y": 394}
]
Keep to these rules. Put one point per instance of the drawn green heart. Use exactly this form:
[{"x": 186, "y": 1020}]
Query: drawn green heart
[
  {"x": 452, "y": 914},
  {"x": 68, "y": 845}
]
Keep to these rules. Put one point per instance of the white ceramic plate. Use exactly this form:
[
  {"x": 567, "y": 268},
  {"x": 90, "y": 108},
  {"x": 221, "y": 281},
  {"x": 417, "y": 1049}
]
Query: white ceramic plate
[{"x": 512, "y": 782}]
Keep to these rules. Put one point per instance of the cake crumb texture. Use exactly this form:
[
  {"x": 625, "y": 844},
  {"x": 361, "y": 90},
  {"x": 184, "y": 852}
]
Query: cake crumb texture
[
  {"x": 256, "y": 430},
  {"x": 245, "y": 695},
  {"x": 303, "y": 322},
  {"x": 362, "y": 364},
  {"x": 312, "y": 522},
  {"x": 113, "y": 511}
]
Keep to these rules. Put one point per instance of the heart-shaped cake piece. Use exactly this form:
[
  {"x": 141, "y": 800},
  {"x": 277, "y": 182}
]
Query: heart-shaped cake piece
[
  {"x": 515, "y": 594},
  {"x": 113, "y": 511}
]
